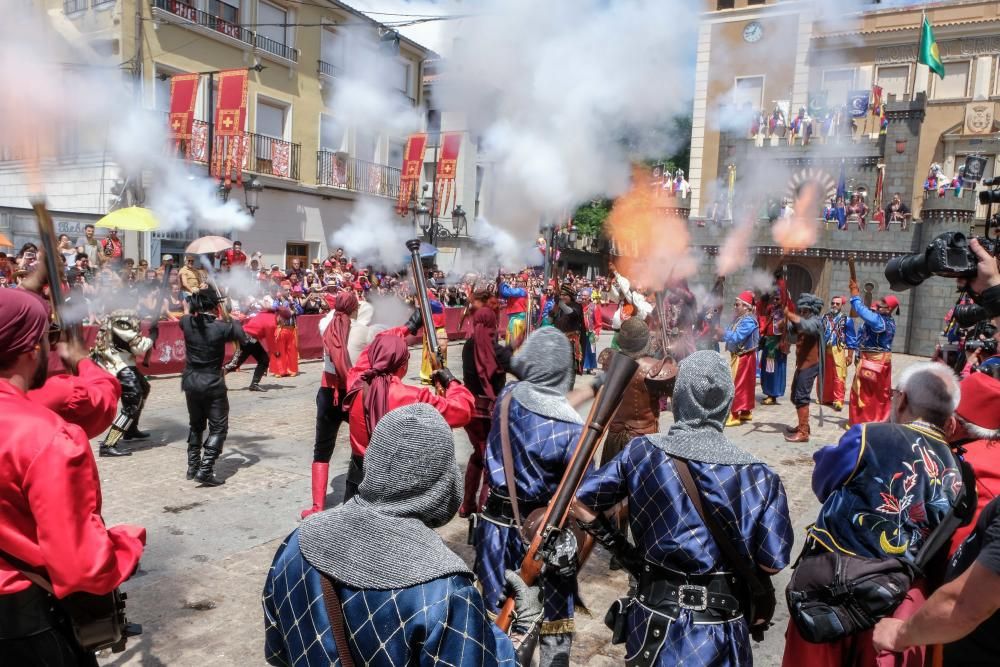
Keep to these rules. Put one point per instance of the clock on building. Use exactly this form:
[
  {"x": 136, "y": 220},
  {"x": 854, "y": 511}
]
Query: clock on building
[{"x": 752, "y": 32}]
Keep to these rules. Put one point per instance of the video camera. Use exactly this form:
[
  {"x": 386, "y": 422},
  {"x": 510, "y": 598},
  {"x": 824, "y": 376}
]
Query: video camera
[{"x": 948, "y": 256}]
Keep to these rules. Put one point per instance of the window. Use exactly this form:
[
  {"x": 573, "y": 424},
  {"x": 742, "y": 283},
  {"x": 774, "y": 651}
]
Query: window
[
  {"x": 725, "y": 4},
  {"x": 331, "y": 134},
  {"x": 365, "y": 145},
  {"x": 749, "y": 89},
  {"x": 228, "y": 11},
  {"x": 894, "y": 81},
  {"x": 72, "y": 6},
  {"x": 332, "y": 50},
  {"x": 955, "y": 84},
  {"x": 756, "y": 2},
  {"x": 400, "y": 76},
  {"x": 396, "y": 149},
  {"x": 299, "y": 251},
  {"x": 838, "y": 83},
  {"x": 269, "y": 20},
  {"x": 271, "y": 120}
]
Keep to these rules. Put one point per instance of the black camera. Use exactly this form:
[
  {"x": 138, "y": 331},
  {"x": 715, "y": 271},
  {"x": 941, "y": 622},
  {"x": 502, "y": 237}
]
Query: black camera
[
  {"x": 948, "y": 256},
  {"x": 989, "y": 346},
  {"x": 968, "y": 314}
]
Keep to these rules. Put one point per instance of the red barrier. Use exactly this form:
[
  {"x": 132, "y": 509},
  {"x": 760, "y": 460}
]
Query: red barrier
[{"x": 169, "y": 354}]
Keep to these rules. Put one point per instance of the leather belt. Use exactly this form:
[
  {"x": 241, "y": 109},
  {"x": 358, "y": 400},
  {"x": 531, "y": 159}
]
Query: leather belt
[
  {"x": 499, "y": 510},
  {"x": 711, "y": 597}
]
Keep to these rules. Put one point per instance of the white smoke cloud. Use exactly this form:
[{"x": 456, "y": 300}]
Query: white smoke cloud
[{"x": 374, "y": 235}]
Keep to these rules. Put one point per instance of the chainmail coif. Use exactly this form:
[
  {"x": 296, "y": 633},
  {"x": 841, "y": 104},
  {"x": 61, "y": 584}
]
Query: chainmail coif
[
  {"x": 383, "y": 537},
  {"x": 545, "y": 372},
  {"x": 702, "y": 398}
]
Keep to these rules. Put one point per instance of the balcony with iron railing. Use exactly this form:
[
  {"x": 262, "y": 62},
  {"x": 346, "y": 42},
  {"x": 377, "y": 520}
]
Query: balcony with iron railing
[
  {"x": 328, "y": 69},
  {"x": 190, "y": 14},
  {"x": 272, "y": 157},
  {"x": 339, "y": 170}
]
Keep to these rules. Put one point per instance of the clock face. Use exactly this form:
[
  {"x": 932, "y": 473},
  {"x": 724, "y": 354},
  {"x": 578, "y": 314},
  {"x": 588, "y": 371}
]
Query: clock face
[{"x": 753, "y": 32}]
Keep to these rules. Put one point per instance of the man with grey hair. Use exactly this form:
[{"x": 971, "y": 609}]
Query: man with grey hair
[
  {"x": 885, "y": 487},
  {"x": 691, "y": 606},
  {"x": 371, "y": 576}
]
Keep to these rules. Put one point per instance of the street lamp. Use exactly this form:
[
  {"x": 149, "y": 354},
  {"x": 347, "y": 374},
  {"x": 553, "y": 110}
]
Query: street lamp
[
  {"x": 223, "y": 192},
  {"x": 459, "y": 220},
  {"x": 422, "y": 217},
  {"x": 251, "y": 191}
]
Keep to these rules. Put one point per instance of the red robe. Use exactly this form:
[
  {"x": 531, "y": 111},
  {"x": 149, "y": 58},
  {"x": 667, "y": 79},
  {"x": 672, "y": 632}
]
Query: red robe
[
  {"x": 456, "y": 406},
  {"x": 88, "y": 399},
  {"x": 264, "y": 327},
  {"x": 50, "y": 504}
]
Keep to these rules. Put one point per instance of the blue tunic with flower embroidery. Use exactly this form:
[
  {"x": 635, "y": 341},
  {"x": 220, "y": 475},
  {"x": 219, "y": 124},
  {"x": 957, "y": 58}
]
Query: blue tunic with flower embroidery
[
  {"x": 541, "y": 448},
  {"x": 748, "y": 502},
  {"x": 884, "y": 488},
  {"x": 440, "y": 622}
]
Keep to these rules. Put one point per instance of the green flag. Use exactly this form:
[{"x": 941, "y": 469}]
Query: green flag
[{"x": 929, "y": 54}]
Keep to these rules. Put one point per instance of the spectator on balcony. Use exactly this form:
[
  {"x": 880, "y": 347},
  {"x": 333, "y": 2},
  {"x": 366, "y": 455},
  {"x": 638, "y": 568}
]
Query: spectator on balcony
[
  {"x": 897, "y": 212},
  {"x": 235, "y": 255}
]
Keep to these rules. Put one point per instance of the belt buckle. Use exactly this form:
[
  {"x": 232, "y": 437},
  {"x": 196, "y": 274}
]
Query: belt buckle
[{"x": 682, "y": 592}]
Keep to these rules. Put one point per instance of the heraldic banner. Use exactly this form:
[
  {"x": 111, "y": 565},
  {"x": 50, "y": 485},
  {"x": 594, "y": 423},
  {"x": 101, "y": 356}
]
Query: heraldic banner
[
  {"x": 413, "y": 163},
  {"x": 230, "y": 117},
  {"x": 183, "y": 92},
  {"x": 447, "y": 168}
]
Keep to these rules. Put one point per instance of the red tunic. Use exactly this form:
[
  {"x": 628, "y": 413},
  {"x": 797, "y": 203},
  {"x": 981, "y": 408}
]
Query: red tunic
[
  {"x": 456, "y": 406},
  {"x": 263, "y": 326},
  {"x": 88, "y": 399},
  {"x": 50, "y": 504}
]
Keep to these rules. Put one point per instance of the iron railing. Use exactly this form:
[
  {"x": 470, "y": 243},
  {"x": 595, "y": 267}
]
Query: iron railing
[
  {"x": 349, "y": 173},
  {"x": 71, "y": 6},
  {"x": 328, "y": 69},
  {"x": 272, "y": 157},
  {"x": 277, "y": 48},
  {"x": 204, "y": 19}
]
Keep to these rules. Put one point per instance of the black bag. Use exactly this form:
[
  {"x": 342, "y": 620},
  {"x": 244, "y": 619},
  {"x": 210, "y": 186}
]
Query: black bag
[{"x": 832, "y": 595}]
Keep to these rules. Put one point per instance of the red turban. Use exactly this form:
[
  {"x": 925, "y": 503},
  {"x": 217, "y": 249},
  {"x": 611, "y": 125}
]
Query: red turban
[
  {"x": 24, "y": 319},
  {"x": 335, "y": 336},
  {"x": 386, "y": 354}
]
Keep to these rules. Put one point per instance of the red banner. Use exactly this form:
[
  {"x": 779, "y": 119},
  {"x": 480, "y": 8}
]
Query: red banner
[
  {"x": 447, "y": 168},
  {"x": 183, "y": 93},
  {"x": 413, "y": 164},
  {"x": 230, "y": 119}
]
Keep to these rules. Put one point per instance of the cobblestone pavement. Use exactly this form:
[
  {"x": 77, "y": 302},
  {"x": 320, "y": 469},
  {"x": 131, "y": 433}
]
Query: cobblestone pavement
[{"x": 197, "y": 593}]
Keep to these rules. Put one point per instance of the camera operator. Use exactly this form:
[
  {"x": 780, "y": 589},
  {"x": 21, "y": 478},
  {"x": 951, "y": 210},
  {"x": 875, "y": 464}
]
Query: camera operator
[{"x": 986, "y": 285}]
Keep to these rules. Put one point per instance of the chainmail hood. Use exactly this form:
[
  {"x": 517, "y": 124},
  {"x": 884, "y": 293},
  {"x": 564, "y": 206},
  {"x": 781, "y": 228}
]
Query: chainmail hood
[
  {"x": 383, "y": 537},
  {"x": 543, "y": 366},
  {"x": 703, "y": 395}
]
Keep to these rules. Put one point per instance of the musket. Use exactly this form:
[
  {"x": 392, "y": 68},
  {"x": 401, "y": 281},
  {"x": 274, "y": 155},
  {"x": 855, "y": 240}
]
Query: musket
[
  {"x": 420, "y": 284},
  {"x": 46, "y": 231},
  {"x": 154, "y": 326},
  {"x": 851, "y": 267},
  {"x": 620, "y": 371}
]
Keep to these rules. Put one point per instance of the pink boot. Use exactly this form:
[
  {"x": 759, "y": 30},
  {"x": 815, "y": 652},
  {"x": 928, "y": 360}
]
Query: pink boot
[{"x": 320, "y": 475}]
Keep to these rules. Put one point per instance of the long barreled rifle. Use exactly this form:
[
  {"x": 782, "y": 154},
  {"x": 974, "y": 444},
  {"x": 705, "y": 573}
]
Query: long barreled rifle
[
  {"x": 420, "y": 284},
  {"x": 154, "y": 326},
  {"x": 620, "y": 371},
  {"x": 69, "y": 331}
]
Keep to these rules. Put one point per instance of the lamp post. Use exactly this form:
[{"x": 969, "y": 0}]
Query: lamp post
[
  {"x": 459, "y": 220},
  {"x": 251, "y": 193},
  {"x": 222, "y": 192}
]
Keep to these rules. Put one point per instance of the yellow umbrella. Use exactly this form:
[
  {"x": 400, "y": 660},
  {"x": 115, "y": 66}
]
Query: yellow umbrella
[{"x": 133, "y": 218}]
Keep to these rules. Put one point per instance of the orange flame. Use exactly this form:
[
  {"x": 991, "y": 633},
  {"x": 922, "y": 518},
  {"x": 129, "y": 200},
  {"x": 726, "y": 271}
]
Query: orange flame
[
  {"x": 655, "y": 248},
  {"x": 800, "y": 230},
  {"x": 734, "y": 251}
]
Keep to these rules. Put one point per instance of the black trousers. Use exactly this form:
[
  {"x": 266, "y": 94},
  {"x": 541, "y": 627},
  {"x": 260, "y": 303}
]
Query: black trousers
[
  {"x": 802, "y": 384},
  {"x": 329, "y": 417},
  {"x": 36, "y": 633},
  {"x": 256, "y": 350},
  {"x": 212, "y": 409},
  {"x": 135, "y": 389}
]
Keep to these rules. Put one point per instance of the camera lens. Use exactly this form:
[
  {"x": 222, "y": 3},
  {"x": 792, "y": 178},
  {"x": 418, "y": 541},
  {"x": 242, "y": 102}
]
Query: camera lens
[
  {"x": 906, "y": 272},
  {"x": 968, "y": 314}
]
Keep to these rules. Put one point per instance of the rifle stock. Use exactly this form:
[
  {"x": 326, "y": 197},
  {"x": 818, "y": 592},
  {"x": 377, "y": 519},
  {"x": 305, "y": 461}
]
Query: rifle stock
[
  {"x": 619, "y": 374},
  {"x": 853, "y": 270},
  {"x": 420, "y": 284},
  {"x": 70, "y": 331}
]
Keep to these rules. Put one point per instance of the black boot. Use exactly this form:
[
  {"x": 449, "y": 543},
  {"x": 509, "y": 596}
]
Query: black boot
[
  {"x": 256, "y": 387},
  {"x": 112, "y": 450},
  {"x": 136, "y": 434},
  {"x": 206, "y": 471},
  {"x": 355, "y": 473},
  {"x": 194, "y": 453}
]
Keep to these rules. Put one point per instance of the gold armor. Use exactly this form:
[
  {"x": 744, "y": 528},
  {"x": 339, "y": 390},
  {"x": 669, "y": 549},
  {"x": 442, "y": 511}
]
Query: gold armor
[{"x": 120, "y": 341}]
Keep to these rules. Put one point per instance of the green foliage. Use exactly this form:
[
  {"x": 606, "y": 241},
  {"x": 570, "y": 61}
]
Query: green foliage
[{"x": 589, "y": 218}]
